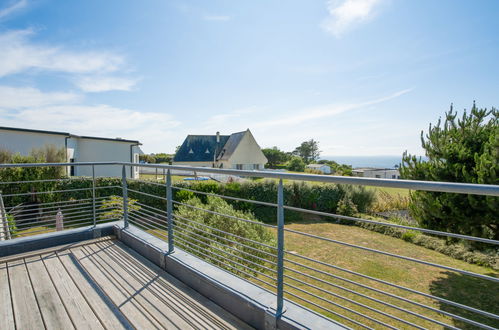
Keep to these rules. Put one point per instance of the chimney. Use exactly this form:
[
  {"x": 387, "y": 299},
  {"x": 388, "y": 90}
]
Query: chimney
[{"x": 218, "y": 137}]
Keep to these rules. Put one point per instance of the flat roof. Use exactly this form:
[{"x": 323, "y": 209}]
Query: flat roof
[{"x": 65, "y": 134}]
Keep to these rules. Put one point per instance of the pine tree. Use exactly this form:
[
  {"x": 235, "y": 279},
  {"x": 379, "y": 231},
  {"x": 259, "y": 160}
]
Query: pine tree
[{"x": 462, "y": 149}]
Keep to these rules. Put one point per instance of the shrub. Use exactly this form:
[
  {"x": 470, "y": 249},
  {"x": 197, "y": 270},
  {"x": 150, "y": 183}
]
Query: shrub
[
  {"x": 296, "y": 164},
  {"x": 347, "y": 207},
  {"x": 207, "y": 235},
  {"x": 113, "y": 207}
]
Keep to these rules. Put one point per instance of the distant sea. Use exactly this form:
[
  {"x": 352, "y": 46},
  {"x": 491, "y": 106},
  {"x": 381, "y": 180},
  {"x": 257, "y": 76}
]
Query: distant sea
[{"x": 367, "y": 161}]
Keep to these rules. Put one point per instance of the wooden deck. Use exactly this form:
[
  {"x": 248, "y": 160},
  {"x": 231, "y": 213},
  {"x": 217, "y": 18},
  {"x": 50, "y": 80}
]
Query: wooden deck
[{"x": 101, "y": 284}]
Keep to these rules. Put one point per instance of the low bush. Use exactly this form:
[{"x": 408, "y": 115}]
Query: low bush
[
  {"x": 456, "y": 250},
  {"x": 209, "y": 235}
]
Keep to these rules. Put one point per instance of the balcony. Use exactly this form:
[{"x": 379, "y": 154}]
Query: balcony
[{"x": 122, "y": 253}]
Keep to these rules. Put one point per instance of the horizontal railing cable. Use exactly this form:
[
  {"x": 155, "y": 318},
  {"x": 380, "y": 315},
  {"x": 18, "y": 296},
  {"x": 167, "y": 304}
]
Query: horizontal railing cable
[
  {"x": 225, "y": 215},
  {"x": 352, "y": 310},
  {"x": 237, "y": 270},
  {"x": 389, "y": 294},
  {"x": 232, "y": 241},
  {"x": 464, "y": 272},
  {"x": 327, "y": 310},
  {"x": 428, "y": 231},
  {"x": 234, "y": 249},
  {"x": 227, "y": 197},
  {"x": 233, "y": 255},
  {"x": 443, "y": 300}
]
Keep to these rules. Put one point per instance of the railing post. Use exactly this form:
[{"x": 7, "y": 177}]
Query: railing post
[
  {"x": 169, "y": 211},
  {"x": 280, "y": 249},
  {"x": 125, "y": 197},
  {"x": 4, "y": 221},
  {"x": 93, "y": 195}
]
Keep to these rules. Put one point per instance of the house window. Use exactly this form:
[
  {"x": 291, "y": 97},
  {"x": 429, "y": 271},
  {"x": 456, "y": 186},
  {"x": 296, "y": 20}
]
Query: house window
[
  {"x": 256, "y": 166},
  {"x": 393, "y": 176},
  {"x": 378, "y": 176},
  {"x": 239, "y": 166},
  {"x": 72, "y": 168}
]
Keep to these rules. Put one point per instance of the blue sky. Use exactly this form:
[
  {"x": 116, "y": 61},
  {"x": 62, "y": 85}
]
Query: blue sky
[{"x": 363, "y": 77}]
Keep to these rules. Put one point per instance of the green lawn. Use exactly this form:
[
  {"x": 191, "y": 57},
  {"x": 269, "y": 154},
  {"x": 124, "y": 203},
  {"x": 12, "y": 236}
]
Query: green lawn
[
  {"x": 464, "y": 289},
  {"x": 450, "y": 285},
  {"x": 391, "y": 191}
]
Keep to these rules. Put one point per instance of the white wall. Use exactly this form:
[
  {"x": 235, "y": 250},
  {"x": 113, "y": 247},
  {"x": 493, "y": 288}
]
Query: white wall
[
  {"x": 247, "y": 153},
  {"x": 381, "y": 174},
  {"x": 24, "y": 142},
  {"x": 94, "y": 150}
]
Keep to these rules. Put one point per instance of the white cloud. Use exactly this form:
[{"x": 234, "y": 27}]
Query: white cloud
[
  {"x": 324, "y": 111},
  {"x": 216, "y": 18},
  {"x": 150, "y": 128},
  {"x": 18, "y": 54},
  {"x": 104, "y": 83},
  {"x": 346, "y": 14},
  {"x": 24, "y": 97},
  {"x": 13, "y": 8}
]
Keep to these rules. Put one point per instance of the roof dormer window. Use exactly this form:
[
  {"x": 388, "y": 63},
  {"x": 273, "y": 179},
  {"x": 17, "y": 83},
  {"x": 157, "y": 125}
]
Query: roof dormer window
[
  {"x": 191, "y": 151},
  {"x": 207, "y": 151}
]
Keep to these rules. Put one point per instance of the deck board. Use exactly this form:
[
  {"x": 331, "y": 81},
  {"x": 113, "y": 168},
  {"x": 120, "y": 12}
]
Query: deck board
[
  {"x": 26, "y": 311},
  {"x": 53, "y": 311},
  {"x": 100, "y": 285},
  {"x": 6, "y": 314},
  {"x": 109, "y": 314},
  {"x": 78, "y": 309},
  {"x": 129, "y": 307},
  {"x": 199, "y": 311}
]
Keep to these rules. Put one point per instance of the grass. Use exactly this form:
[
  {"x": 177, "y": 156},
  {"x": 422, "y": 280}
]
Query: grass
[
  {"x": 475, "y": 292},
  {"x": 160, "y": 177},
  {"x": 464, "y": 289},
  {"x": 392, "y": 191}
]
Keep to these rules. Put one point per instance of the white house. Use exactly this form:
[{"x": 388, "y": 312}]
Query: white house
[
  {"x": 380, "y": 173},
  {"x": 325, "y": 169},
  {"x": 237, "y": 151},
  {"x": 78, "y": 149}
]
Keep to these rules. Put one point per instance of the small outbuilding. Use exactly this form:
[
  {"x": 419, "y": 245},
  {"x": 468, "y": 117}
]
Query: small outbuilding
[{"x": 325, "y": 169}]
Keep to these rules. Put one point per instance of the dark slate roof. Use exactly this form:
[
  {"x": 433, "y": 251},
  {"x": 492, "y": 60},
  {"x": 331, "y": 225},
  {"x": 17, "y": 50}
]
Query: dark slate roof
[
  {"x": 231, "y": 145},
  {"x": 195, "y": 147}
]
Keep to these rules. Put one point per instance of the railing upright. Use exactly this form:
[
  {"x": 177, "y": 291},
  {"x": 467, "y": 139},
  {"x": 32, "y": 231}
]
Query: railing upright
[
  {"x": 280, "y": 249},
  {"x": 125, "y": 197},
  {"x": 93, "y": 196},
  {"x": 169, "y": 211}
]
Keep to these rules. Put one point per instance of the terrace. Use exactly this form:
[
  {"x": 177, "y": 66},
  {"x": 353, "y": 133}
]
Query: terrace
[{"x": 116, "y": 253}]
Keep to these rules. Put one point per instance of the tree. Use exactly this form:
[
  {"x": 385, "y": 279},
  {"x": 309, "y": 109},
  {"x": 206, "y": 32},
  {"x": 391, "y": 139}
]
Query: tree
[
  {"x": 150, "y": 159},
  {"x": 275, "y": 156},
  {"x": 308, "y": 150},
  {"x": 296, "y": 164},
  {"x": 462, "y": 149}
]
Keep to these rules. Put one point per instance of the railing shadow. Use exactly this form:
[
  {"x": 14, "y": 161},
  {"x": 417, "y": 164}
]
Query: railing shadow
[{"x": 474, "y": 292}]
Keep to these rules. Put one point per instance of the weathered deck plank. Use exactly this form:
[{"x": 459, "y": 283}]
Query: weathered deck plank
[
  {"x": 127, "y": 305},
  {"x": 6, "y": 313},
  {"x": 140, "y": 290},
  {"x": 108, "y": 314},
  {"x": 78, "y": 309},
  {"x": 53, "y": 311},
  {"x": 195, "y": 309},
  {"x": 26, "y": 311},
  {"x": 100, "y": 285}
]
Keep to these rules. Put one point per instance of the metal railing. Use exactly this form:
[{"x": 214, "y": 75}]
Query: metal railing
[{"x": 358, "y": 299}]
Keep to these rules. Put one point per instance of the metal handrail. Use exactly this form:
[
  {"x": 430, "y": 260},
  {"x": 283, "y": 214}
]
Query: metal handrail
[
  {"x": 181, "y": 231},
  {"x": 436, "y": 186}
]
